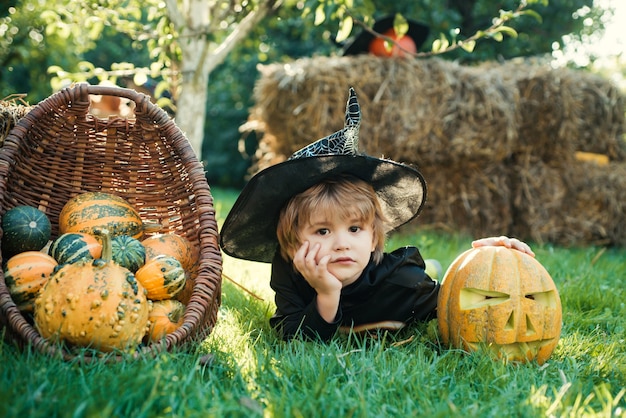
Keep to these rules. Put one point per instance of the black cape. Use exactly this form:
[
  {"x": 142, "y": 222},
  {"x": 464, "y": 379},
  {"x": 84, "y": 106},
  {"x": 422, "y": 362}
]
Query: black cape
[{"x": 397, "y": 289}]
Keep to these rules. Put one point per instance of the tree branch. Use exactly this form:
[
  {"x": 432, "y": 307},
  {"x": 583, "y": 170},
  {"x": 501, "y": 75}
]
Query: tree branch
[
  {"x": 242, "y": 29},
  {"x": 174, "y": 13}
]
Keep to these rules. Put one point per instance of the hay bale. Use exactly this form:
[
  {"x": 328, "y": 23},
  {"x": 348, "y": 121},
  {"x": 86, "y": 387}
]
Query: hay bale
[
  {"x": 12, "y": 109},
  {"x": 562, "y": 111},
  {"x": 419, "y": 111},
  {"x": 599, "y": 125},
  {"x": 573, "y": 204},
  {"x": 539, "y": 194},
  {"x": 470, "y": 197},
  {"x": 497, "y": 144}
]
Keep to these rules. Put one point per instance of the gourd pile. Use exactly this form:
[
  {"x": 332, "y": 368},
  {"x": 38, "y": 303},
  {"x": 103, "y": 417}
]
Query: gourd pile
[{"x": 103, "y": 283}]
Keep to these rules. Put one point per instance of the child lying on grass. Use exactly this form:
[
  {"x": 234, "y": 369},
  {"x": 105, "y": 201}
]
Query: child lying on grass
[{"x": 321, "y": 218}]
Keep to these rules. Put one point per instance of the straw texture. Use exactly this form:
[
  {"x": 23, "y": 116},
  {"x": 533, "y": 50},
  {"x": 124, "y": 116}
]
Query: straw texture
[{"x": 499, "y": 144}]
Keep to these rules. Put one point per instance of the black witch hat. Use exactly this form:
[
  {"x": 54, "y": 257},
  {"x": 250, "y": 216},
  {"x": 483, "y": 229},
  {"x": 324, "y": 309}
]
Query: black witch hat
[{"x": 249, "y": 231}]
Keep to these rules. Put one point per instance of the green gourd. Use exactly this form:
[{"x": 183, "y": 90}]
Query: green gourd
[
  {"x": 128, "y": 252},
  {"x": 75, "y": 246},
  {"x": 25, "y": 228}
]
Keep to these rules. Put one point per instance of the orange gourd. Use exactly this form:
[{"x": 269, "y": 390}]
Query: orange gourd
[
  {"x": 165, "y": 317},
  {"x": 174, "y": 245},
  {"x": 93, "y": 303},
  {"x": 163, "y": 277},
  {"x": 90, "y": 211},
  {"x": 502, "y": 300},
  {"x": 184, "y": 295},
  {"x": 25, "y": 275}
]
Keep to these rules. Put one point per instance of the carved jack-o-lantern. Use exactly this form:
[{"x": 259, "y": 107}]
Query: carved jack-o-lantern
[{"x": 501, "y": 299}]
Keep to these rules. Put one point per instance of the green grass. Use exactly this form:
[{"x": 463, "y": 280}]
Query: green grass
[{"x": 243, "y": 370}]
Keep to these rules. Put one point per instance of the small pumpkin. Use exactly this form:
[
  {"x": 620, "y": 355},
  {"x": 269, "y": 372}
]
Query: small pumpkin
[
  {"x": 25, "y": 228},
  {"x": 163, "y": 277},
  {"x": 501, "y": 299},
  {"x": 25, "y": 275},
  {"x": 402, "y": 45},
  {"x": 128, "y": 252},
  {"x": 90, "y": 211},
  {"x": 75, "y": 246},
  {"x": 165, "y": 317},
  {"x": 174, "y": 245},
  {"x": 93, "y": 303}
]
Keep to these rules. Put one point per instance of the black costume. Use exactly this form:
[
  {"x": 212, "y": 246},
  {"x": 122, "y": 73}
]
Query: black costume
[{"x": 397, "y": 289}]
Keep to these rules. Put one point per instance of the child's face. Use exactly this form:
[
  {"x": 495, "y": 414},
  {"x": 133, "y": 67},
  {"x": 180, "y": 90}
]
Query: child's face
[{"x": 349, "y": 242}]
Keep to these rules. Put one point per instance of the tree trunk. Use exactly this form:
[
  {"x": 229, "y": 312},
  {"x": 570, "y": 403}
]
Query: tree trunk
[
  {"x": 195, "y": 20},
  {"x": 191, "y": 102}
]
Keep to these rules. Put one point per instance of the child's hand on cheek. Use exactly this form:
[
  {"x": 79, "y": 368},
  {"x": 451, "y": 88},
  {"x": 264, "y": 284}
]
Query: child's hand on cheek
[{"x": 314, "y": 272}]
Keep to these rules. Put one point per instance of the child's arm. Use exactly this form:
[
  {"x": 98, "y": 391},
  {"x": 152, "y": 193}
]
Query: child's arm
[
  {"x": 296, "y": 305},
  {"x": 503, "y": 241},
  {"x": 316, "y": 273}
]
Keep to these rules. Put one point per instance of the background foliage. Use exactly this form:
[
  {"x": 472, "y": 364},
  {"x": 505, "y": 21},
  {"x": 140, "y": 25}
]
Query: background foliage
[{"x": 36, "y": 35}]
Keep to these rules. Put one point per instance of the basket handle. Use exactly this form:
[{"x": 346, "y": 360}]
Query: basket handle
[
  {"x": 143, "y": 105},
  {"x": 111, "y": 91}
]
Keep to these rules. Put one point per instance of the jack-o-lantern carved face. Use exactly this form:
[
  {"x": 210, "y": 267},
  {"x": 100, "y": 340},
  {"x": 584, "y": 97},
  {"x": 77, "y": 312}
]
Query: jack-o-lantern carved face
[{"x": 502, "y": 299}]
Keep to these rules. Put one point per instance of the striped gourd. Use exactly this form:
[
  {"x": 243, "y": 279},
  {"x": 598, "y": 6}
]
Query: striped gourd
[
  {"x": 163, "y": 277},
  {"x": 128, "y": 252},
  {"x": 90, "y": 211},
  {"x": 172, "y": 244},
  {"x": 25, "y": 275},
  {"x": 74, "y": 246}
]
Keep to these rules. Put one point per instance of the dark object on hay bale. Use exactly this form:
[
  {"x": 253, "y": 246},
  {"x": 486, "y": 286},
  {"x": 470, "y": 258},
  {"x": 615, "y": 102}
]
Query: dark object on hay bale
[{"x": 59, "y": 150}]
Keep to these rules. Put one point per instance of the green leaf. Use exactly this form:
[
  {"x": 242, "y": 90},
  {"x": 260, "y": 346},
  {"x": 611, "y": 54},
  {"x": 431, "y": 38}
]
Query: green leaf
[
  {"x": 440, "y": 44},
  {"x": 345, "y": 27},
  {"x": 506, "y": 30},
  {"x": 86, "y": 66},
  {"x": 497, "y": 36},
  {"x": 532, "y": 13},
  {"x": 400, "y": 25},
  {"x": 468, "y": 45},
  {"x": 320, "y": 15}
]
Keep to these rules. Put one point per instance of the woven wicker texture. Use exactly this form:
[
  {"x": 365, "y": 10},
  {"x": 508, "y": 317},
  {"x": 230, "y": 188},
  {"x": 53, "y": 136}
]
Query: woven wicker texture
[{"x": 59, "y": 150}]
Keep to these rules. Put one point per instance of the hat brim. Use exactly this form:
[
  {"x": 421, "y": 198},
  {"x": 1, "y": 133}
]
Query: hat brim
[
  {"x": 360, "y": 44},
  {"x": 249, "y": 231}
]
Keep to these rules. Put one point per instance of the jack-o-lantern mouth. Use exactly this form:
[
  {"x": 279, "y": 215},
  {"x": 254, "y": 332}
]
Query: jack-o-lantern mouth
[{"x": 518, "y": 351}]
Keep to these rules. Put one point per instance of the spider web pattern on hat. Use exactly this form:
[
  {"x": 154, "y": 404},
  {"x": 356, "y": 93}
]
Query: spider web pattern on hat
[{"x": 344, "y": 142}]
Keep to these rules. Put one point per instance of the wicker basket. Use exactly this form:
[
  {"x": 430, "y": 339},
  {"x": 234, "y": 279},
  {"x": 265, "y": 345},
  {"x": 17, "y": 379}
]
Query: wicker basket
[{"x": 59, "y": 150}]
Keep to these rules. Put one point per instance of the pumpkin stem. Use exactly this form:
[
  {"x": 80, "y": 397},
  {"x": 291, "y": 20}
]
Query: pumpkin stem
[
  {"x": 105, "y": 238},
  {"x": 151, "y": 227}
]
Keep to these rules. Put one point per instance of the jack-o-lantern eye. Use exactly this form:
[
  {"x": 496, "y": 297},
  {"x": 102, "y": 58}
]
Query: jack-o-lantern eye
[
  {"x": 470, "y": 298},
  {"x": 547, "y": 299}
]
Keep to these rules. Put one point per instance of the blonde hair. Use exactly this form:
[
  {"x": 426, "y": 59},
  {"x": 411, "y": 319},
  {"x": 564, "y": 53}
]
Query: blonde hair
[{"x": 345, "y": 196}]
